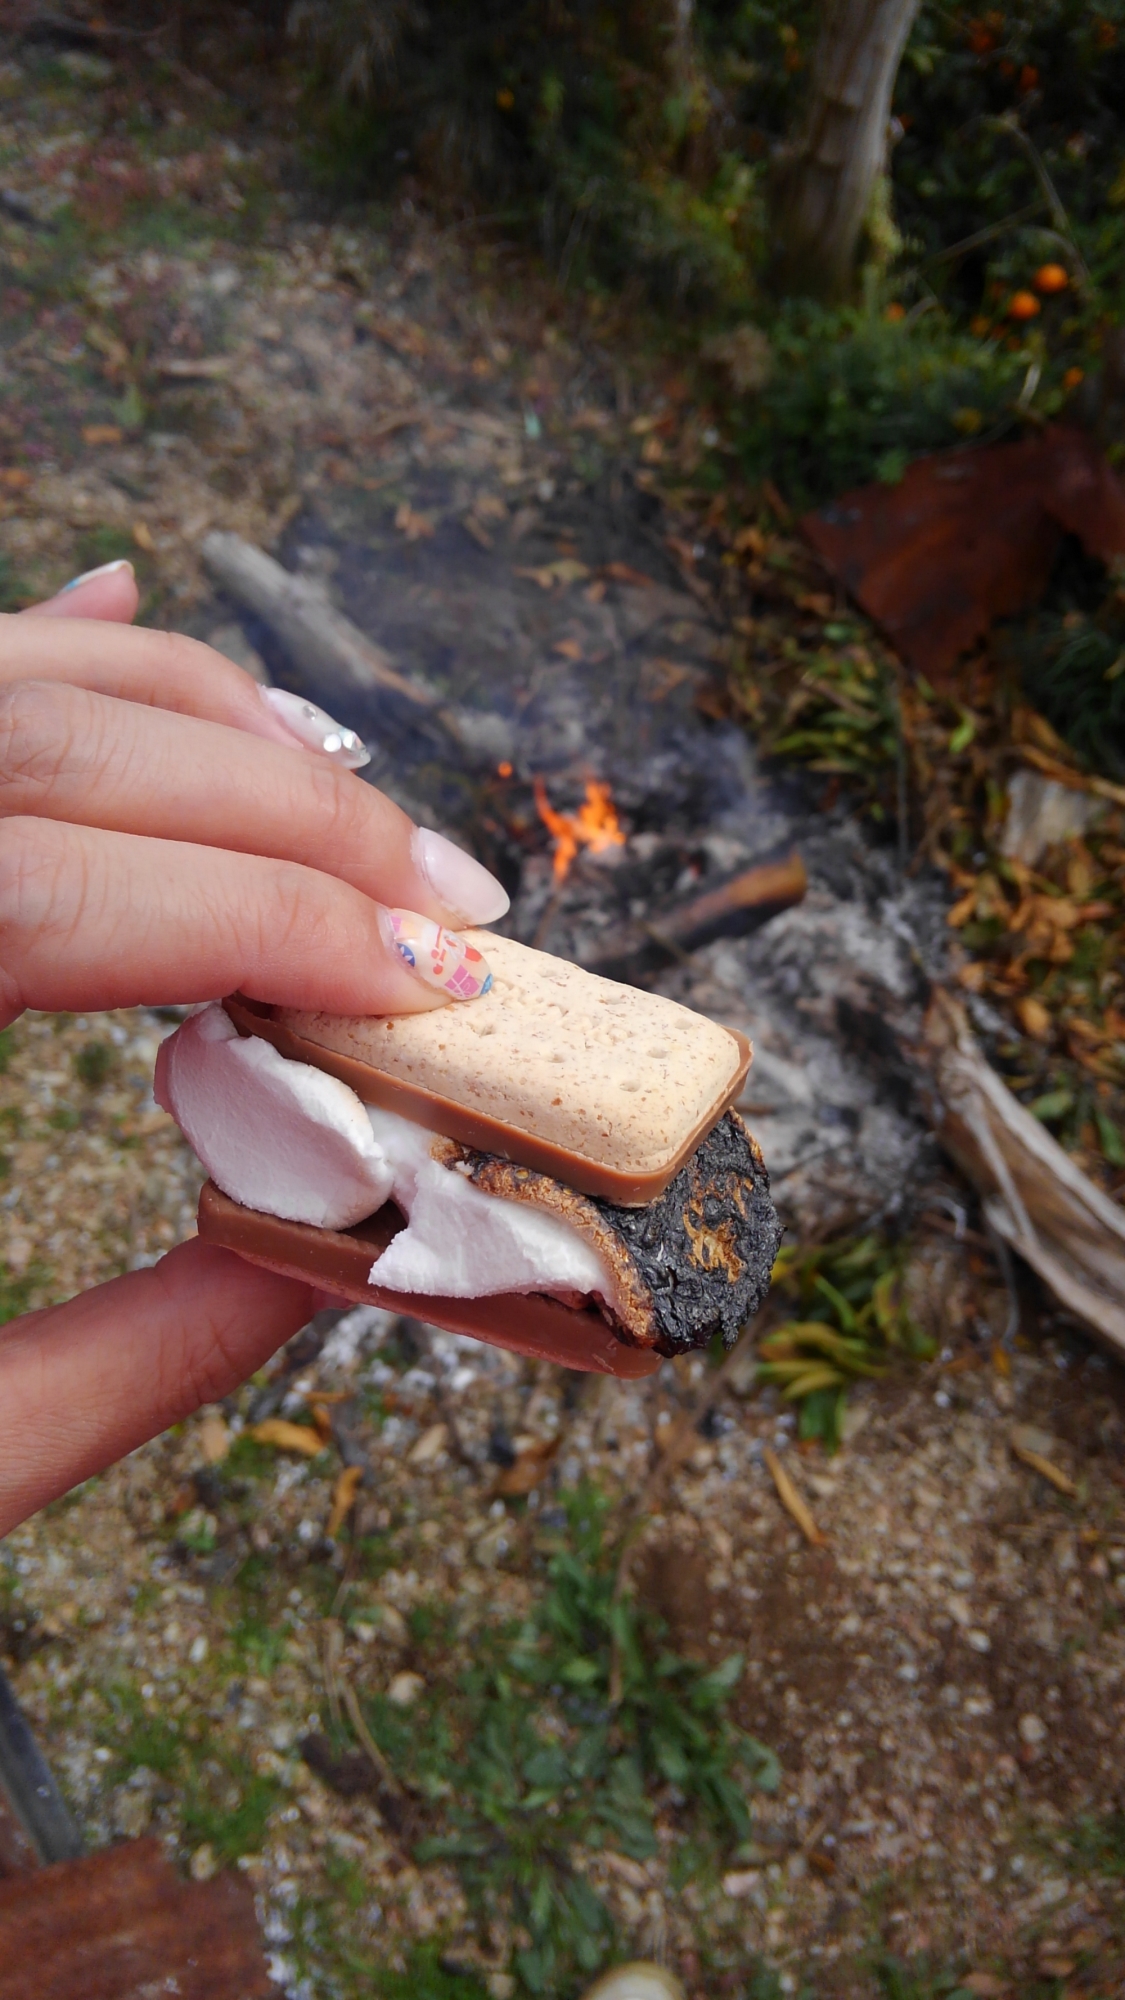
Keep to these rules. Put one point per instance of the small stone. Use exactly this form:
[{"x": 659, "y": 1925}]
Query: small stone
[
  {"x": 1032, "y": 1731},
  {"x": 500, "y": 1985},
  {"x": 979, "y": 1641},
  {"x": 214, "y": 1440},
  {"x": 430, "y": 1445},
  {"x": 741, "y": 1881},
  {"x": 204, "y": 1863},
  {"x": 198, "y": 1650},
  {"x": 405, "y": 1689}
]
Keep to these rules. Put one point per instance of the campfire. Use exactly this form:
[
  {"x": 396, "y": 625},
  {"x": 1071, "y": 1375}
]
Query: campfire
[{"x": 595, "y": 825}]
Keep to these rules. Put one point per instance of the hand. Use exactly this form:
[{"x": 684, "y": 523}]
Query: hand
[{"x": 169, "y": 832}]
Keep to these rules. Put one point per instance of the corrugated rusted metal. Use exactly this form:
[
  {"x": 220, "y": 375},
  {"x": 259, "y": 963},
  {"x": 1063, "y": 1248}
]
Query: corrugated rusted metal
[{"x": 122, "y": 1925}]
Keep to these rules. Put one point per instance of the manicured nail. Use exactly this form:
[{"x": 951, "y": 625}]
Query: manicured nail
[
  {"x": 460, "y": 884},
  {"x": 315, "y": 730},
  {"x": 448, "y": 963},
  {"x": 88, "y": 575}
]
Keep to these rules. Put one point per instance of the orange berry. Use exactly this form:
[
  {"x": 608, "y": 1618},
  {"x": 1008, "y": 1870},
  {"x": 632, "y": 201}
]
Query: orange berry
[
  {"x": 1051, "y": 278},
  {"x": 1073, "y": 377},
  {"x": 896, "y": 310},
  {"x": 1023, "y": 305},
  {"x": 980, "y": 326}
]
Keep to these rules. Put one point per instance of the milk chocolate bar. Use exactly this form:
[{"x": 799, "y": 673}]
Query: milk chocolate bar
[{"x": 339, "y": 1261}]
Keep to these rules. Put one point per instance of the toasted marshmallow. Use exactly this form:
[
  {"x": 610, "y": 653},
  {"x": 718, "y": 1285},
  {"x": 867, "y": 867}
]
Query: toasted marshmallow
[{"x": 275, "y": 1135}]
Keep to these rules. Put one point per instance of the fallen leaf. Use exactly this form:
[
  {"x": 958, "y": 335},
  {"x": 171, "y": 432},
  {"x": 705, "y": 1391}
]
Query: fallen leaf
[
  {"x": 343, "y": 1498},
  {"x": 102, "y": 434},
  {"x": 142, "y": 535},
  {"x": 1046, "y": 1467},
  {"x": 791, "y": 1500},
  {"x": 14, "y": 478},
  {"x": 429, "y": 1446},
  {"x": 968, "y": 537},
  {"x": 527, "y": 1470},
  {"x": 287, "y": 1437},
  {"x": 985, "y": 1985},
  {"x": 621, "y": 572},
  {"x": 1034, "y": 1018},
  {"x": 416, "y": 527},
  {"x": 568, "y": 649}
]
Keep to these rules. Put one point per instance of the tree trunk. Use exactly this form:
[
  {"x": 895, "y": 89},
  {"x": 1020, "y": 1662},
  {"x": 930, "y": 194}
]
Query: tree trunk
[{"x": 823, "y": 183}]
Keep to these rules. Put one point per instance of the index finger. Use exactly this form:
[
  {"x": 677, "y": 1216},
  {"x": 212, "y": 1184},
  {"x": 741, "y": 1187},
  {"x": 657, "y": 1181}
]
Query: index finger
[{"x": 156, "y": 669}]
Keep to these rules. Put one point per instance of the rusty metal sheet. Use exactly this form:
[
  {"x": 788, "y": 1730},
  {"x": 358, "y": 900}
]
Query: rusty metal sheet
[
  {"x": 968, "y": 537},
  {"x": 122, "y": 1925}
]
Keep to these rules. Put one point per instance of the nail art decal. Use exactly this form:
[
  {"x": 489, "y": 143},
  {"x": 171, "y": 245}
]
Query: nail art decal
[
  {"x": 440, "y": 957},
  {"x": 315, "y": 728}
]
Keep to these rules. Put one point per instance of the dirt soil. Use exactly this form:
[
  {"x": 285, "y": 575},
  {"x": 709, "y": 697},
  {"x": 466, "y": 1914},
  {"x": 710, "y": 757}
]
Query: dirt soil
[{"x": 188, "y": 344}]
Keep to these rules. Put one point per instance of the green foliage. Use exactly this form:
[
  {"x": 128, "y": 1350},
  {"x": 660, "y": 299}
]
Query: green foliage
[
  {"x": 1099, "y": 1844},
  {"x": 426, "y": 1978},
  {"x": 15, "y": 1293},
  {"x": 1072, "y": 668},
  {"x": 851, "y": 1321},
  {"x": 851, "y": 397},
  {"x": 560, "y": 1735},
  {"x": 93, "y": 1063},
  {"x": 919, "y": 1980},
  {"x": 14, "y": 592},
  {"x": 228, "y": 1805},
  {"x": 7, "y": 1048},
  {"x": 577, "y": 124}
]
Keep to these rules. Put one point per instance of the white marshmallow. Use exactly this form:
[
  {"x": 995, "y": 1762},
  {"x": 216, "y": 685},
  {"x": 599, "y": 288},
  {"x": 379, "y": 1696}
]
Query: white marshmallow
[
  {"x": 275, "y": 1135},
  {"x": 283, "y": 1137},
  {"x": 461, "y": 1243}
]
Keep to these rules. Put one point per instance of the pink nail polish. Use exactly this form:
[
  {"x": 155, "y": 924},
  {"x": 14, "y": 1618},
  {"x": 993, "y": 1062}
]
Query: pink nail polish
[{"x": 446, "y": 961}]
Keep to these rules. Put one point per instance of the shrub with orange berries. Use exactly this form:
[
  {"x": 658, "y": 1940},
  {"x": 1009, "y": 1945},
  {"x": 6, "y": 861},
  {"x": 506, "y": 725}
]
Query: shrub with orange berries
[
  {"x": 1051, "y": 278},
  {"x": 1023, "y": 305}
]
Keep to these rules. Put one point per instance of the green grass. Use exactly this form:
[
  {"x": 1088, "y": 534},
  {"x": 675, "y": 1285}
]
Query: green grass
[
  {"x": 229, "y": 1809},
  {"x": 15, "y": 1293},
  {"x": 564, "y": 1733},
  {"x": 93, "y": 1063},
  {"x": 7, "y": 1048},
  {"x": 850, "y": 1321}
]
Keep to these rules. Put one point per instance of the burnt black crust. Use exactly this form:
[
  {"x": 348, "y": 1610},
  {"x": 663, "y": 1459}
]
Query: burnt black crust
[{"x": 705, "y": 1248}]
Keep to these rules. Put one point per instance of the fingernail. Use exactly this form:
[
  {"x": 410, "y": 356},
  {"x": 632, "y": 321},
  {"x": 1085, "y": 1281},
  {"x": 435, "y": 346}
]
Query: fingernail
[
  {"x": 466, "y": 889},
  {"x": 315, "y": 730},
  {"x": 447, "y": 962},
  {"x": 88, "y": 575}
]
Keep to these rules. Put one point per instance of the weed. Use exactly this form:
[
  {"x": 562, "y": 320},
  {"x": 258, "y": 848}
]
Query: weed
[
  {"x": 1099, "y": 1844},
  {"x": 852, "y": 1321},
  {"x": 63, "y": 1118},
  {"x": 93, "y": 1063},
  {"x": 560, "y": 1736},
  {"x": 149, "y": 1740},
  {"x": 15, "y": 1292},
  {"x": 918, "y": 1980},
  {"x": 103, "y": 545},
  {"x": 228, "y": 1805}
]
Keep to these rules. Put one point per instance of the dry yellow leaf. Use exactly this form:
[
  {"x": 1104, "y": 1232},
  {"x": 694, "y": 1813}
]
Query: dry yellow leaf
[
  {"x": 1034, "y": 1018},
  {"x": 343, "y": 1498},
  {"x": 792, "y": 1502},
  {"x": 963, "y": 910},
  {"x": 287, "y": 1437}
]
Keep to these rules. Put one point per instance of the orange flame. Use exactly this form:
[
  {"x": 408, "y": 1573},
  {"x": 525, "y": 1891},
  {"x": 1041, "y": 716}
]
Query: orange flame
[{"x": 595, "y": 825}]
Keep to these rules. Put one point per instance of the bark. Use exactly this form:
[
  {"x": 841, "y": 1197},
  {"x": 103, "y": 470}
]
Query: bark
[{"x": 823, "y": 182}]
